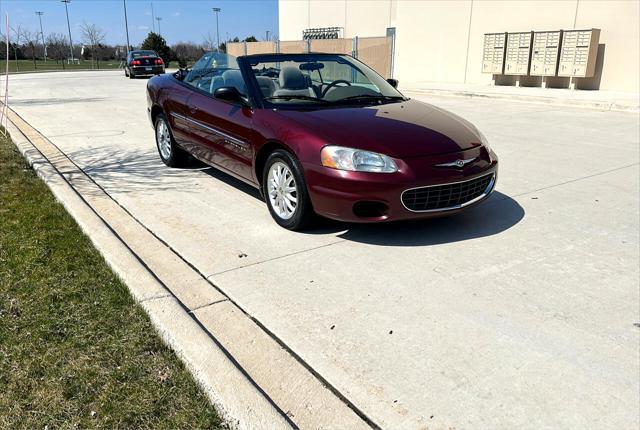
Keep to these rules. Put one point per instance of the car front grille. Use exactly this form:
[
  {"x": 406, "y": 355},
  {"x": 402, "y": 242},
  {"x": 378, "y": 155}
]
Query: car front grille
[{"x": 447, "y": 196}]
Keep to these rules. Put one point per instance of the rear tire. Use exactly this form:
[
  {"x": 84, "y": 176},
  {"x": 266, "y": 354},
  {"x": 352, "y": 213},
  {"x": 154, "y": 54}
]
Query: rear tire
[
  {"x": 285, "y": 191},
  {"x": 170, "y": 153}
]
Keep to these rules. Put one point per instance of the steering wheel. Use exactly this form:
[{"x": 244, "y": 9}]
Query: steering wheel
[{"x": 333, "y": 84}]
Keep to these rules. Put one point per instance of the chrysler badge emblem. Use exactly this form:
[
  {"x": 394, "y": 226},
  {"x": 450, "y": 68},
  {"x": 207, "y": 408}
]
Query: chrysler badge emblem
[{"x": 458, "y": 163}]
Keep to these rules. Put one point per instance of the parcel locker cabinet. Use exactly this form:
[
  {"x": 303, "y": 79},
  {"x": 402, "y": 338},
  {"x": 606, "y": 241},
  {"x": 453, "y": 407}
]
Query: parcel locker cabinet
[
  {"x": 546, "y": 49},
  {"x": 579, "y": 52},
  {"x": 518, "y": 53},
  {"x": 493, "y": 53}
]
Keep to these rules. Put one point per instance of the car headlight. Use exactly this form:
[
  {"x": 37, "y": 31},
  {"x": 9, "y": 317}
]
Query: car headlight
[{"x": 356, "y": 160}]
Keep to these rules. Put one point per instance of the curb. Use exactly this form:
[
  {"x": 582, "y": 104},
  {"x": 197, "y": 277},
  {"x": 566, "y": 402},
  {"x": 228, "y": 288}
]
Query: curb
[
  {"x": 551, "y": 101},
  {"x": 252, "y": 379},
  {"x": 238, "y": 403}
]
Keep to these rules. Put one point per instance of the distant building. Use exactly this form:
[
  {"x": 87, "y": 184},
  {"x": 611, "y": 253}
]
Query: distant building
[{"x": 442, "y": 41}]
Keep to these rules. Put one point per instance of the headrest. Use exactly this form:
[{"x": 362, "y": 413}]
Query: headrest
[
  {"x": 292, "y": 78},
  {"x": 264, "y": 81}
]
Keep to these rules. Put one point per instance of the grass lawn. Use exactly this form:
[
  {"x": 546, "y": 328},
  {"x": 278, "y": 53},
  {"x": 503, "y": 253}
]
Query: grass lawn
[
  {"x": 75, "y": 350},
  {"x": 41, "y": 65}
]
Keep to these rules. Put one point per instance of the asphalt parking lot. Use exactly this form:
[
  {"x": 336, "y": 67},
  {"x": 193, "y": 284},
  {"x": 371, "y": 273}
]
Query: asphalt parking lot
[{"x": 522, "y": 311}]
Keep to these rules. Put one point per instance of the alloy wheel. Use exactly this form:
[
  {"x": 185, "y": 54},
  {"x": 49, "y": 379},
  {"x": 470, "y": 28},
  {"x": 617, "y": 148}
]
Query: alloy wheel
[
  {"x": 282, "y": 190},
  {"x": 164, "y": 139}
]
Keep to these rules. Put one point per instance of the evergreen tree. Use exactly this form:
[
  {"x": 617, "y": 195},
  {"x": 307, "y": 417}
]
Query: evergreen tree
[{"x": 155, "y": 42}]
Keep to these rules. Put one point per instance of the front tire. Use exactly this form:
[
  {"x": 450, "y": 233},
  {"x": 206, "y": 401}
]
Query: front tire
[
  {"x": 170, "y": 153},
  {"x": 285, "y": 191}
]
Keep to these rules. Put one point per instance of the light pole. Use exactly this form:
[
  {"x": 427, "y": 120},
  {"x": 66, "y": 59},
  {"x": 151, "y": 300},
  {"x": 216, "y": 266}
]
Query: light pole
[
  {"x": 66, "y": 9},
  {"x": 153, "y": 18},
  {"x": 159, "y": 29},
  {"x": 267, "y": 35},
  {"x": 217, "y": 10},
  {"x": 126, "y": 24},
  {"x": 44, "y": 45}
]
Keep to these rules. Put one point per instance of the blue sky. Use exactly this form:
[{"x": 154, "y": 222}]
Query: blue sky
[{"x": 182, "y": 20}]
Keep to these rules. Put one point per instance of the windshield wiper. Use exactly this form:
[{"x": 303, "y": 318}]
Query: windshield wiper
[
  {"x": 369, "y": 97},
  {"x": 294, "y": 96}
]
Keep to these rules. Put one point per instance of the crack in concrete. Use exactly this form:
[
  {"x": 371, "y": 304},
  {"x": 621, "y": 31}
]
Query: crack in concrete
[
  {"x": 302, "y": 251},
  {"x": 570, "y": 181},
  {"x": 197, "y": 308},
  {"x": 161, "y": 296}
]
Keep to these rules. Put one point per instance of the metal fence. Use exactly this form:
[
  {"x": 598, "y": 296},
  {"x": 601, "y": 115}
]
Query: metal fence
[{"x": 376, "y": 52}]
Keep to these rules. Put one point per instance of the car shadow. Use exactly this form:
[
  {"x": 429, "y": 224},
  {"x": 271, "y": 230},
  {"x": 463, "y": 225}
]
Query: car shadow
[
  {"x": 144, "y": 172},
  {"x": 229, "y": 180},
  {"x": 493, "y": 216}
]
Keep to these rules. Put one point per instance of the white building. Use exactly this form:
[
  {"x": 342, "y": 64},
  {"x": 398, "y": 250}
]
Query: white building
[{"x": 442, "y": 40}]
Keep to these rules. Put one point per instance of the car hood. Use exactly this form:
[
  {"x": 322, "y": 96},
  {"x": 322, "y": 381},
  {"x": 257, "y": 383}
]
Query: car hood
[{"x": 405, "y": 129}]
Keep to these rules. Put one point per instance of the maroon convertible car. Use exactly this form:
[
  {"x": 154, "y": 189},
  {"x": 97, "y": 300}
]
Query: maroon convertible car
[{"x": 320, "y": 134}]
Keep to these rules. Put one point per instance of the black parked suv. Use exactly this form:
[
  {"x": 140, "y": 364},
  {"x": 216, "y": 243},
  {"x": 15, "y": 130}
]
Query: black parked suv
[{"x": 143, "y": 63}]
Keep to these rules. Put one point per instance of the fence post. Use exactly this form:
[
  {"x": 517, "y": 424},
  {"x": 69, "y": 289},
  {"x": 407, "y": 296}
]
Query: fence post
[
  {"x": 245, "y": 47},
  {"x": 354, "y": 53},
  {"x": 391, "y": 32}
]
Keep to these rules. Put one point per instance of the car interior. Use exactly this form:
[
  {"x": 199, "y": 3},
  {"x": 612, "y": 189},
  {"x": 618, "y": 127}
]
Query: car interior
[
  {"x": 291, "y": 80},
  {"x": 327, "y": 81}
]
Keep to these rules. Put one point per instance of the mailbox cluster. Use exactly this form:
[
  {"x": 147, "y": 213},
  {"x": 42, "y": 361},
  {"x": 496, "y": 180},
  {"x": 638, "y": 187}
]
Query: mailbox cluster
[{"x": 570, "y": 53}]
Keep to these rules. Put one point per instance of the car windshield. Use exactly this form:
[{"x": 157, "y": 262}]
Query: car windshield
[
  {"x": 138, "y": 54},
  {"x": 320, "y": 79},
  {"x": 214, "y": 70}
]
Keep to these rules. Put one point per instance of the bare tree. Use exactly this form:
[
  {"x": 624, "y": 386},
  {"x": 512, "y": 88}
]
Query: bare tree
[
  {"x": 58, "y": 47},
  {"x": 31, "y": 41},
  {"x": 209, "y": 41},
  {"x": 187, "y": 52},
  {"x": 92, "y": 36},
  {"x": 17, "y": 41}
]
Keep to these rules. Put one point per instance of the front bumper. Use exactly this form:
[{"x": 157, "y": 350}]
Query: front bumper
[
  {"x": 375, "y": 197},
  {"x": 146, "y": 70}
]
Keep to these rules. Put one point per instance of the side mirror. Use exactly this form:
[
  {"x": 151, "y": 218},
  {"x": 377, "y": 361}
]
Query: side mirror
[
  {"x": 229, "y": 95},
  {"x": 393, "y": 82},
  {"x": 181, "y": 74}
]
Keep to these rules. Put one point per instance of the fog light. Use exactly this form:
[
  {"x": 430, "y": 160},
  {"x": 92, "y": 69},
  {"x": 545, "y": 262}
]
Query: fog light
[{"x": 368, "y": 209}]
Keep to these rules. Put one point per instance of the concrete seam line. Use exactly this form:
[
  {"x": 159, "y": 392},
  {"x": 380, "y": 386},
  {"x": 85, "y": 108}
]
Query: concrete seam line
[
  {"x": 259, "y": 327},
  {"x": 257, "y": 407},
  {"x": 360, "y": 413}
]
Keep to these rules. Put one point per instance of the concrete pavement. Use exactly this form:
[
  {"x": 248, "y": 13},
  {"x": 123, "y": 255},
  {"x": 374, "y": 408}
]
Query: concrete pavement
[{"x": 519, "y": 312}]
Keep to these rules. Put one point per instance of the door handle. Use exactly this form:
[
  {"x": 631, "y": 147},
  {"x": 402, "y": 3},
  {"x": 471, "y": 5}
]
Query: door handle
[{"x": 193, "y": 109}]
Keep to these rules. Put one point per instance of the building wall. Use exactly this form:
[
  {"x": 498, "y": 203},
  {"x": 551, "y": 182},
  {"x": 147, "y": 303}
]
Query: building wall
[
  {"x": 441, "y": 40},
  {"x": 364, "y": 18},
  {"x": 621, "y": 37}
]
